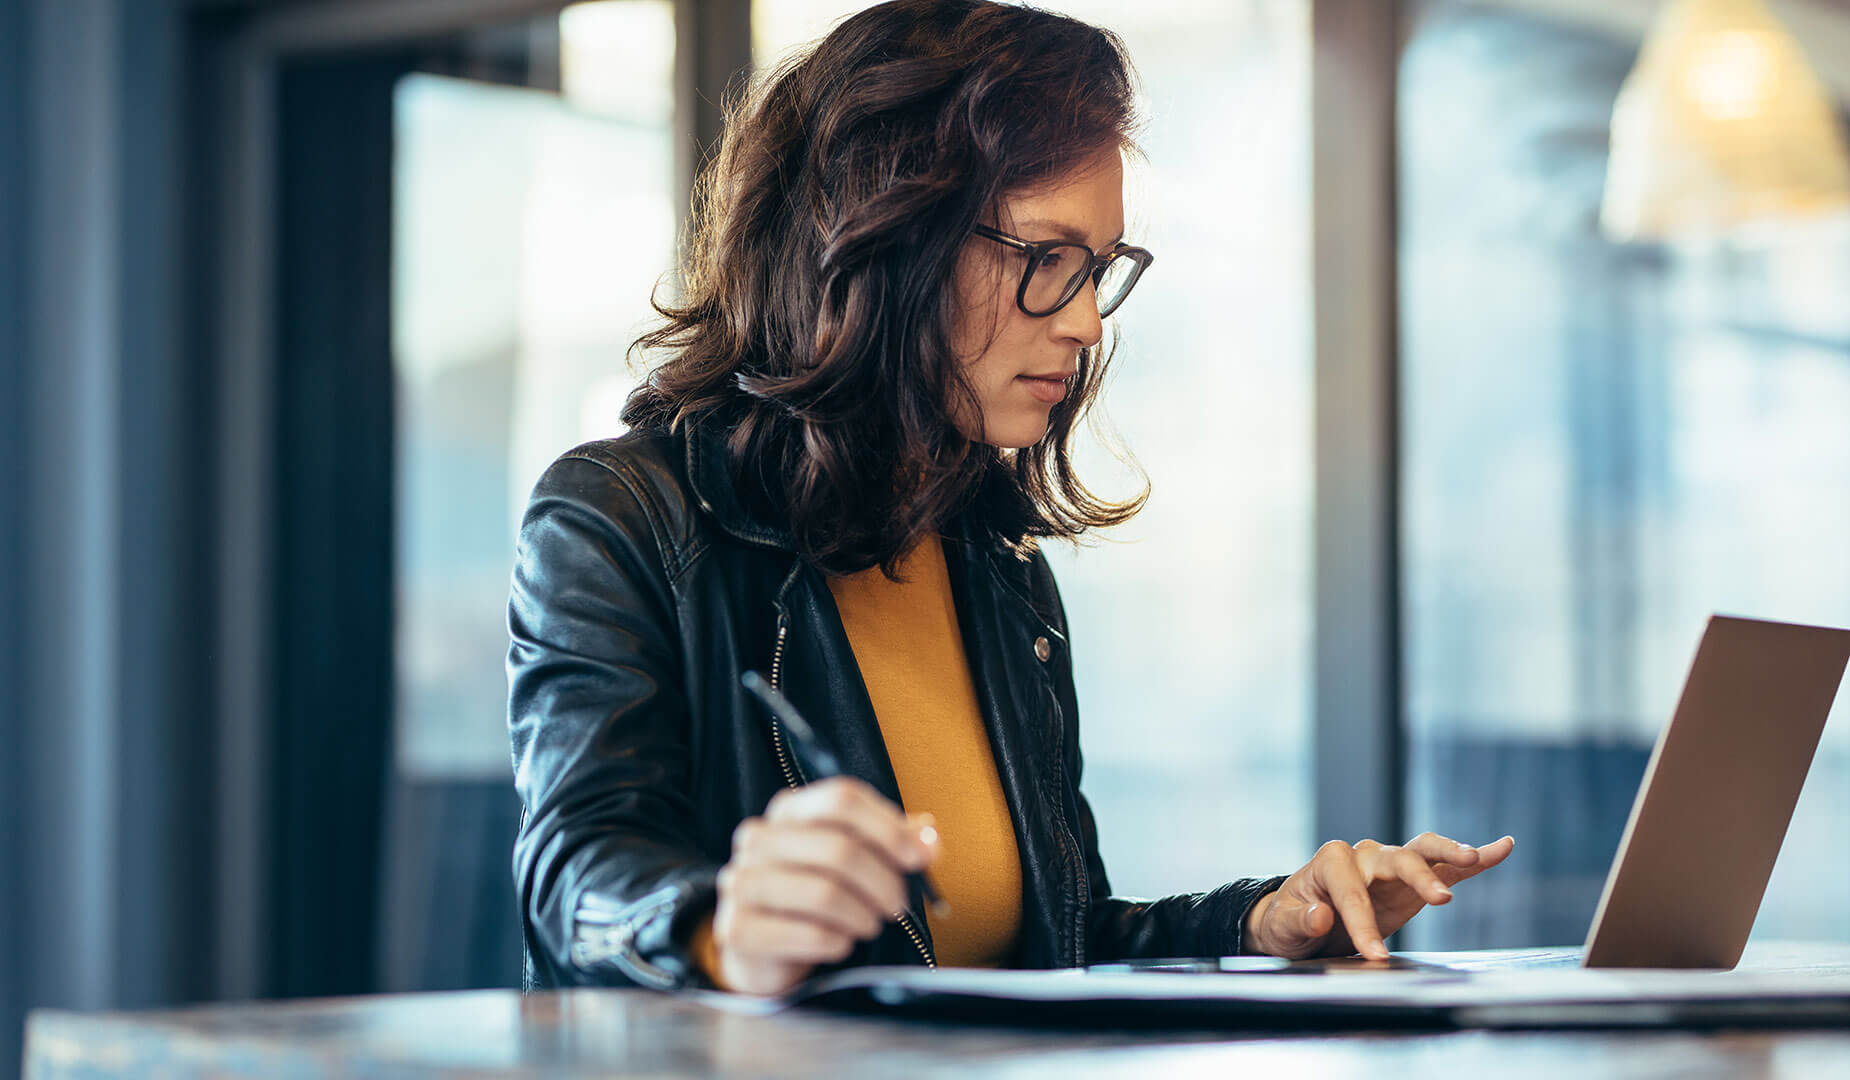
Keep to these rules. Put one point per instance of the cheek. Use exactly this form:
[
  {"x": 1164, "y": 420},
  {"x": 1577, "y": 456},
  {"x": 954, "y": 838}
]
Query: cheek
[
  {"x": 991, "y": 371},
  {"x": 999, "y": 362},
  {"x": 1009, "y": 416},
  {"x": 979, "y": 311},
  {"x": 983, "y": 335}
]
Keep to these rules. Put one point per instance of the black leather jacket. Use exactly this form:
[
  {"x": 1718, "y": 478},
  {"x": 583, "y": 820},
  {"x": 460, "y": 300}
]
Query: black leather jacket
[{"x": 641, "y": 590}]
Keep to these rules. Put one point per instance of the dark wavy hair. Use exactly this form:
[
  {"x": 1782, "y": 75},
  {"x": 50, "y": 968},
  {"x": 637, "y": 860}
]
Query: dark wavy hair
[{"x": 817, "y": 312}]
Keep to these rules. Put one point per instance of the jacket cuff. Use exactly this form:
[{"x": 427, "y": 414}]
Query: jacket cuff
[
  {"x": 647, "y": 941},
  {"x": 704, "y": 952}
]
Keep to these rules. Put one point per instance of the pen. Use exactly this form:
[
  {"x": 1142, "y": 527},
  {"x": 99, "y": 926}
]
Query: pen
[{"x": 820, "y": 762}]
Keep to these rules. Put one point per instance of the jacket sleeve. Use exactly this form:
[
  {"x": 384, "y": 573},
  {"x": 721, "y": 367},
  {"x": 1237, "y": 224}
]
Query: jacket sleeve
[
  {"x": 1208, "y": 923},
  {"x": 610, "y": 879}
]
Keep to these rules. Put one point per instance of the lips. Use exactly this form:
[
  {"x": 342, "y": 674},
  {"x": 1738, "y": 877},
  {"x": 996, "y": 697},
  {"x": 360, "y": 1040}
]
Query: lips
[{"x": 1048, "y": 389}]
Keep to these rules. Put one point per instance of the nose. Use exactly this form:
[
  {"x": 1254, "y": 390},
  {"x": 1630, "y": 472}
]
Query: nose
[{"x": 1078, "y": 322}]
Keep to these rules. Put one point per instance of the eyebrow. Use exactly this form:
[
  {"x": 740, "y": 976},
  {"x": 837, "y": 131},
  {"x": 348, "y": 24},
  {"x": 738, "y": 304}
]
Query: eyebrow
[{"x": 1061, "y": 230}]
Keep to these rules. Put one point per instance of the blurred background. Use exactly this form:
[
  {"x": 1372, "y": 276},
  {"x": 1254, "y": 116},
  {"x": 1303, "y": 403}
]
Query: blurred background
[{"x": 1463, "y": 406}]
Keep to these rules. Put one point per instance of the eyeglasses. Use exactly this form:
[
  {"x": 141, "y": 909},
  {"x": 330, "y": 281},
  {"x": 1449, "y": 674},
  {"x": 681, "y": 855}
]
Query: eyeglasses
[{"x": 1057, "y": 270}]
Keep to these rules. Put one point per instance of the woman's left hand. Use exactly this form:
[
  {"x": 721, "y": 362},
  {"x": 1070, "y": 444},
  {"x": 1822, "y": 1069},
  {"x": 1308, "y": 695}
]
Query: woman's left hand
[{"x": 1348, "y": 899}]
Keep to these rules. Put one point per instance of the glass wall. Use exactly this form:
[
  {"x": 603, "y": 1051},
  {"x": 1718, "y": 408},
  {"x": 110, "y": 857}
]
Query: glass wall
[
  {"x": 530, "y": 230},
  {"x": 1191, "y": 625},
  {"x": 1604, "y": 444}
]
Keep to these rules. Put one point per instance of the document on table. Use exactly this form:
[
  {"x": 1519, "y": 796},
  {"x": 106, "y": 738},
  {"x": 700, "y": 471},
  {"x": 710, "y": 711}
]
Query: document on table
[{"x": 1569, "y": 997}]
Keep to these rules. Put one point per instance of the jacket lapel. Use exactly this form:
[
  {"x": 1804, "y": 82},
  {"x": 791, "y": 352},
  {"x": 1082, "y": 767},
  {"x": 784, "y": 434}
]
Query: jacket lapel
[
  {"x": 1015, "y": 692},
  {"x": 824, "y": 682}
]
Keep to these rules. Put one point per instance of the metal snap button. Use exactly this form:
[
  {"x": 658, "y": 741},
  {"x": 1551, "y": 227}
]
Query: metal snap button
[{"x": 1042, "y": 649}]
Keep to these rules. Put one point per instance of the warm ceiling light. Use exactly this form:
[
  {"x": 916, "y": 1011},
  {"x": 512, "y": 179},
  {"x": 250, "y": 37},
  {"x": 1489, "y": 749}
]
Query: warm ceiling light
[{"x": 1721, "y": 123}]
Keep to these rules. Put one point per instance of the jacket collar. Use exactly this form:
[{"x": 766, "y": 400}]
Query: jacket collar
[{"x": 709, "y": 473}]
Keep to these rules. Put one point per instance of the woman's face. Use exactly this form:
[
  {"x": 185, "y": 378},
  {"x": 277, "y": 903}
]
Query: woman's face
[{"x": 1020, "y": 366}]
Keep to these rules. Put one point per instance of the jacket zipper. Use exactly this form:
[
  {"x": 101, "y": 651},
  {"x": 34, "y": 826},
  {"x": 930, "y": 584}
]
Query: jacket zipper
[
  {"x": 793, "y": 776},
  {"x": 777, "y": 733}
]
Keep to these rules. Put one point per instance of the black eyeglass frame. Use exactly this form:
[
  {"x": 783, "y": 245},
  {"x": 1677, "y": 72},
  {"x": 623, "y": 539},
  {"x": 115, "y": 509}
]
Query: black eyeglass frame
[{"x": 1094, "y": 268}]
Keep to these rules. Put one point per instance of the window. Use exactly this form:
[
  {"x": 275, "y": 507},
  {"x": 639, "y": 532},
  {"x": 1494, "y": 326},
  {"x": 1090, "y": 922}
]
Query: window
[
  {"x": 530, "y": 231},
  {"x": 1603, "y": 445}
]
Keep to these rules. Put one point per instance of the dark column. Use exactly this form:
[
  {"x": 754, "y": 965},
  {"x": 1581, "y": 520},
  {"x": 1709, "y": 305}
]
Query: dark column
[
  {"x": 713, "y": 48},
  {"x": 332, "y": 504},
  {"x": 13, "y": 469}
]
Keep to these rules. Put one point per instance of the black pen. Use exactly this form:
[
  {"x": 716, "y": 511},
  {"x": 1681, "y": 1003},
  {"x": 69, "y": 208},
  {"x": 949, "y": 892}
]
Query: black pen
[{"x": 820, "y": 762}]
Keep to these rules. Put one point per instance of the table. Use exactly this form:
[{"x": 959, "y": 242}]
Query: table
[{"x": 643, "y": 1033}]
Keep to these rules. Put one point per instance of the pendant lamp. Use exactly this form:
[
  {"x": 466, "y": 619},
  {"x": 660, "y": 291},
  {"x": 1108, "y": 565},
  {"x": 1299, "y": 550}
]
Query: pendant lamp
[{"x": 1721, "y": 123}]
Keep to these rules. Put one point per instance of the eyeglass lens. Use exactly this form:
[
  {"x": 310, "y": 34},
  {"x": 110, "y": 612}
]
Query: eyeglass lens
[
  {"x": 1058, "y": 274},
  {"x": 1115, "y": 281}
]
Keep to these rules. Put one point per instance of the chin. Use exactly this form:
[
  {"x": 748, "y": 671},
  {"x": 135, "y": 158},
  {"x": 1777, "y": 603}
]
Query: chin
[{"x": 1017, "y": 436}]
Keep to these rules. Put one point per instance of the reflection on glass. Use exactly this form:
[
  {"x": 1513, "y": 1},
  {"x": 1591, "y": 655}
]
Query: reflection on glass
[
  {"x": 1191, "y": 625},
  {"x": 1603, "y": 445}
]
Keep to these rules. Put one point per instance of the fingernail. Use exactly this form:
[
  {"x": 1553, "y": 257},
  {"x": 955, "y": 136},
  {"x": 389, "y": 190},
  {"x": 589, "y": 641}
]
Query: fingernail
[
  {"x": 1445, "y": 892},
  {"x": 928, "y": 835}
]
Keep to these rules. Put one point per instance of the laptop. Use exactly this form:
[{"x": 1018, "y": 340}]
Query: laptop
[
  {"x": 1709, "y": 817},
  {"x": 1674, "y": 916}
]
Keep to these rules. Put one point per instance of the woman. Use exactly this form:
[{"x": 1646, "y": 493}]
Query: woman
[{"x": 891, "y": 324}]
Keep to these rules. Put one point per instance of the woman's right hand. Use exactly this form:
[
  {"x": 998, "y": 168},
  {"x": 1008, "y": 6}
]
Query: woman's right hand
[{"x": 823, "y": 869}]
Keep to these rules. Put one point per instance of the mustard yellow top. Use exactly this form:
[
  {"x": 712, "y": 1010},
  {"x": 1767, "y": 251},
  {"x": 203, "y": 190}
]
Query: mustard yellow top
[{"x": 911, "y": 654}]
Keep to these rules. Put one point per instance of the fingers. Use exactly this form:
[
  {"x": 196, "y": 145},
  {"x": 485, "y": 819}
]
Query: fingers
[
  {"x": 1337, "y": 870},
  {"x": 829, "y": 854},
  {"x": 780, "y": 937},
  {"x": 1443, "y": 849},
  {"x": 1493, "y": 853},
  {"x": 1460, "y": 861},
  {"x": 767, "y": 939},
  {"x": 852, "y": 805},
  {"x": 1488, "y": 855},
  {"x": 804, "y": 893},
  {"x": 1350, "y": 897},
  {"x": 821, "y": 870},
  {"x": 1315, "y": 921},
  {"x": 1408, "y": 866}
]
